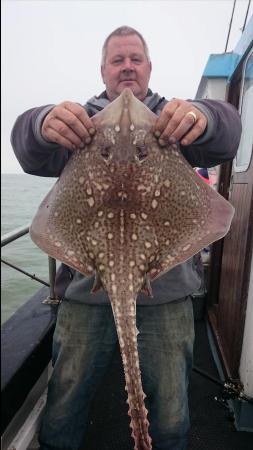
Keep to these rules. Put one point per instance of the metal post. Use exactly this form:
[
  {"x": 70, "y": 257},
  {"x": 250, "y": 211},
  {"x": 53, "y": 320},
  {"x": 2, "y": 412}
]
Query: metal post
[{"x": 52, "y": 299}]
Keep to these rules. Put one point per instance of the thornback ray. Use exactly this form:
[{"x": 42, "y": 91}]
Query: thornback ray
[{"x": 128, "y": 211}]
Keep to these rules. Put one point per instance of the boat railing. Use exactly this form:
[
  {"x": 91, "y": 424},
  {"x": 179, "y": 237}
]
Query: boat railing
[
  {"x": 16, "y": 234},
  {"x": 26, "y": 344}
]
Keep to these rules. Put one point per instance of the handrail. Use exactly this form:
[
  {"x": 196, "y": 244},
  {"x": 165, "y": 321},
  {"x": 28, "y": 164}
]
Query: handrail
[
  {"x": 13, "y": 235},
  {"x": 16, "y": 234}
]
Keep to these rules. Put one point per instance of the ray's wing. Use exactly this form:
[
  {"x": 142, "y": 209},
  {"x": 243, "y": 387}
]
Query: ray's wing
[
  {"x": 59, "y": 227},
  {"x": 191, "y": 214}
]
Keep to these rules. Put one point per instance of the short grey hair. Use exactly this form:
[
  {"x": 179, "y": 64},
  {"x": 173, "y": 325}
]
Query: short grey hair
[{"x": 124, "y": 31}]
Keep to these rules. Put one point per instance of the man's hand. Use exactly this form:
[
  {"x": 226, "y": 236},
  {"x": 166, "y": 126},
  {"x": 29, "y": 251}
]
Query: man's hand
[
  {"x": 68, "y": 125},
  {"x": 180, "y": 121}
]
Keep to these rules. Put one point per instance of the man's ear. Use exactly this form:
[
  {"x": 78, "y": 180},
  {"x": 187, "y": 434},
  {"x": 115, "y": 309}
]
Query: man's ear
[{"x": 102, "y": 73}]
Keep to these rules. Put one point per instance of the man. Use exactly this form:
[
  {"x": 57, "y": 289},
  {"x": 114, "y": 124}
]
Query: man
[{"x": 43, "y": 139}]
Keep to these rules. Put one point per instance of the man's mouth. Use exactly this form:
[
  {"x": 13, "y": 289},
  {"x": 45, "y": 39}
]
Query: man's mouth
[{"x": 127, "y": 79}]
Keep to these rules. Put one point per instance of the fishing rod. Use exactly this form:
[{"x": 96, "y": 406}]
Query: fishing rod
[
  {"x": 231, "y": 388},
  {"x": 32, "y": 276}
]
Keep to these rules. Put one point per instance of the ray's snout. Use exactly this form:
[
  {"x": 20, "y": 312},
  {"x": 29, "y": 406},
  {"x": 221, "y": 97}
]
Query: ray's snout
[{"x": 124, "y": 125}]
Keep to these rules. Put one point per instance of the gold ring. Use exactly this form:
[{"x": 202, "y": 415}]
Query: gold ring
[{"x": 191, "y": 113}]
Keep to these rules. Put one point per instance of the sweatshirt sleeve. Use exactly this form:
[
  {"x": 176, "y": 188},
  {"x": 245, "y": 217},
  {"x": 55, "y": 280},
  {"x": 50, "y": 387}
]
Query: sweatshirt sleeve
[
  {"x": 37, "y": 156},
  {"x": 220, "y": 141}
]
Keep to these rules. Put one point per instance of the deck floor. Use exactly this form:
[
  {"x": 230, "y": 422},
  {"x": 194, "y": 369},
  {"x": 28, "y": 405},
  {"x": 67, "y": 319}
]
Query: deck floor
[
  {"x": 212, "y": 427},
  {"x": 211, "y": 424}
]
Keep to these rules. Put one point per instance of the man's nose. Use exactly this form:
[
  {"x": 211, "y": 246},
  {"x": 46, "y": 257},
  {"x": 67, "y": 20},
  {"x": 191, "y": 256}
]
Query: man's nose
[{"x": 128, "y": 65}]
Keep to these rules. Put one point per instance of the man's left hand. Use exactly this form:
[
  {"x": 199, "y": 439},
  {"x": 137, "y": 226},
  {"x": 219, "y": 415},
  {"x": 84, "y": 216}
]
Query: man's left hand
[{"x": 180, "y": 121}]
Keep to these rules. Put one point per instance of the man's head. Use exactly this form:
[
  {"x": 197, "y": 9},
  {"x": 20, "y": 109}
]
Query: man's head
[{"x": 125, "y": 63}]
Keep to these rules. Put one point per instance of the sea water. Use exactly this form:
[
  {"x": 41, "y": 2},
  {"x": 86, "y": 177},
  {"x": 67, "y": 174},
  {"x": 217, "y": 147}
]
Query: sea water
[{"x": 21, "y": 195}]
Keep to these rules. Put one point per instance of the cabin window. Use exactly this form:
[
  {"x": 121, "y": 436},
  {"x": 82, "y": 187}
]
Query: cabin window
[{"x": 244, "y": 153}]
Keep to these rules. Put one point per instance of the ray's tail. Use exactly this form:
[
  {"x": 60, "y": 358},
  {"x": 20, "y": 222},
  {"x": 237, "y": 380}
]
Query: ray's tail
[{"x": 125, "y": 320}]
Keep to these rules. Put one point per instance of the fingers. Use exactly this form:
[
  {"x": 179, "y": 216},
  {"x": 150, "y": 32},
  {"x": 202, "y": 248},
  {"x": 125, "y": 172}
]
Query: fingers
[
  {"x": 83, "y": 124},
  {"x": 68, "y": 125},
  {"x": 176, "y": 124},
  {"x": 54, "y": 136},
  {"x": 165, "y": 118},
  {"x": 196, "y": 131}
]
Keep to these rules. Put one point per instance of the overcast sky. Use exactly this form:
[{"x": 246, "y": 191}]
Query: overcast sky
[{"x": 51, "y": 49}]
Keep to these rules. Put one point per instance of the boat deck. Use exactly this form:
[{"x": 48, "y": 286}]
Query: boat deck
[{"x": 212, "y": 426}]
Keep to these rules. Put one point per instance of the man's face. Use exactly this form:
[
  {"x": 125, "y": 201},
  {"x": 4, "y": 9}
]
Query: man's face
[{"x": 126, "y": 65}]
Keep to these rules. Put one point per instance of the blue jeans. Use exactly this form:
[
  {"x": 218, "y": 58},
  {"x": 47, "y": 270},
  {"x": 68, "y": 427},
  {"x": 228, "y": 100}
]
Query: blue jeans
[{"x": 84, "y": 342}]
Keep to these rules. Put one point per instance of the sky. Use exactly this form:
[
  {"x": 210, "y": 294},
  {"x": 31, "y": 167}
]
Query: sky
[{"x": 51, "y": 49}]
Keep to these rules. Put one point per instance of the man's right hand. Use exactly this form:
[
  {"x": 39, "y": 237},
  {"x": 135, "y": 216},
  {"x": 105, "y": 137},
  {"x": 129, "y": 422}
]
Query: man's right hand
[{"x": 69, "y": 125}]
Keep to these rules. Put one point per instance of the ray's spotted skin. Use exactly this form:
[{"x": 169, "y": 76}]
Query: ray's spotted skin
[{"x": 128, "y": 210}]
